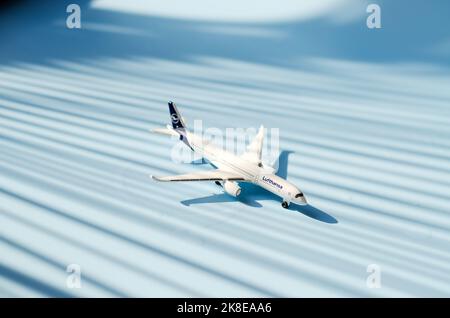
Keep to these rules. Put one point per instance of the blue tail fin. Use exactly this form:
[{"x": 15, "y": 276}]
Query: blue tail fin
[
  {"x": 175, "y": 117},
  {"x": 178, "y": 123}
]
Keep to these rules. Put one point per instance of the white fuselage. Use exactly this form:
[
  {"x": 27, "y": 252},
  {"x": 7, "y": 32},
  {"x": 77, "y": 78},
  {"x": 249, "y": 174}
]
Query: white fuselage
[{"x": 252, "y": 172}]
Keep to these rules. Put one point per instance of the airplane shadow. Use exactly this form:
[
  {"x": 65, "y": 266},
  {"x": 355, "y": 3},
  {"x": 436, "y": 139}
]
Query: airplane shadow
[
  {"x": 252, "y": 193},
  {"x": 314, "y": 213},
  {"x": 198, "y": 162},
  {"x": 222, "y": 197}
]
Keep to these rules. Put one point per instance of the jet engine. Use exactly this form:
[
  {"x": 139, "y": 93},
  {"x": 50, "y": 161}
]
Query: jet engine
[{"x": 231, "y": 188}]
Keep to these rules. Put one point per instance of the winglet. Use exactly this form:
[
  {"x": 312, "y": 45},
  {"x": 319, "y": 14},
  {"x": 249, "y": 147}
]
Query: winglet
[
  {"x": 154, "y": 178},
  {"x": 254, "y": 149},
  {"x": 261, "y": 129}
]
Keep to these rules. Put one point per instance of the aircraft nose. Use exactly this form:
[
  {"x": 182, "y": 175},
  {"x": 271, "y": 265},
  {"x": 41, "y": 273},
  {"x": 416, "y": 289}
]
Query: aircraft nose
[{"x": 301, "y": 200}]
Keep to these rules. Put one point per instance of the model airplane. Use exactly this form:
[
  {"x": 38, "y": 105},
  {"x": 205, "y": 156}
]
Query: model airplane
[{"x": 231, "y": 169}]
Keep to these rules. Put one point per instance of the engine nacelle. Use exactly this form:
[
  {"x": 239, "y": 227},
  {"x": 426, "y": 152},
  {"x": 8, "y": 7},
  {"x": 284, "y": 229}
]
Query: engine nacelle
[{"x": 231, "y": 188}]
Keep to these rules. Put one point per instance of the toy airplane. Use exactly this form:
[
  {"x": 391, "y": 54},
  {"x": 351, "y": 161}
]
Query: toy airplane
[{"x": 231, "y": 169}]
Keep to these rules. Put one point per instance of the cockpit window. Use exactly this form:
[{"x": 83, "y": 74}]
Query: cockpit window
[{"x": 299, "y": 195}]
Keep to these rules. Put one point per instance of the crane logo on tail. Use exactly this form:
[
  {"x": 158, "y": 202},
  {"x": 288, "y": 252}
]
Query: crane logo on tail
[{"x": 175, "y": 118}]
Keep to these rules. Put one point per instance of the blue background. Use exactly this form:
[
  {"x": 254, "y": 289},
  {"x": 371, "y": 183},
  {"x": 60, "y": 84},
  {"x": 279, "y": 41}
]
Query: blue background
[{"x": 364, "y": 125}]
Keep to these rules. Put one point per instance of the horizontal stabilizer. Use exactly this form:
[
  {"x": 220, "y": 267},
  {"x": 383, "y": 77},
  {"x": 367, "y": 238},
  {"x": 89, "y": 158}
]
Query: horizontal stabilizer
[{"x": 165, "y": 131}]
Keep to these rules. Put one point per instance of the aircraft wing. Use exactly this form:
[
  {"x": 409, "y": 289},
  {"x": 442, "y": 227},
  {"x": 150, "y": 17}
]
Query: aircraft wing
[
  {"x": 254, "y": 150},
  {"x": 210, "y": 175}
]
